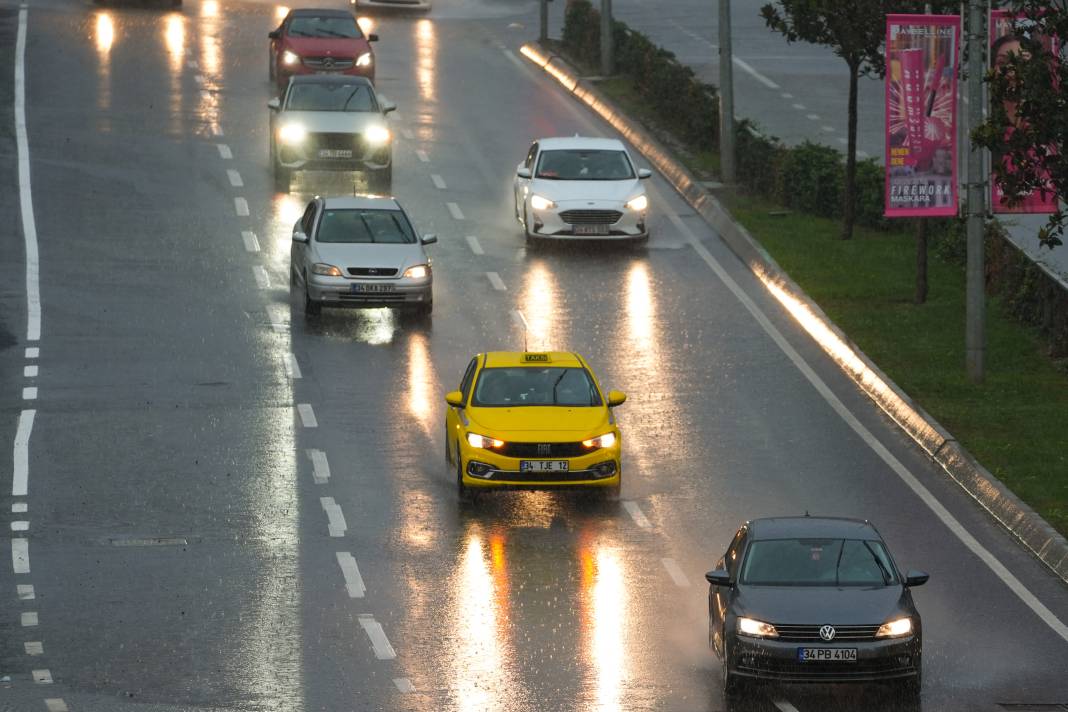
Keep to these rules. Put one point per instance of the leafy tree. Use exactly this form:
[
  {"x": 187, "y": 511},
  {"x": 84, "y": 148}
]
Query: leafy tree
[{"x": 1028, "y": 120}]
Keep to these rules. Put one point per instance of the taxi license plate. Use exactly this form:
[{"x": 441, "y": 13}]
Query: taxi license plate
[
  {"x": 826, "y": 655},
  {"x": 365, "y": 288},
  {"x": 335, "y": 153},
  {"x": 543, "y": 465},
  {"x": 591, "y": 229}
]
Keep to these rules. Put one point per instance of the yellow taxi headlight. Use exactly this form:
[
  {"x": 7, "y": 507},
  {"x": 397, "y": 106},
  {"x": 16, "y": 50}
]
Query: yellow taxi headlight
[
  {"x": 483, "y": 442},
  {"x": 606, "y": 440},
  {"x": 895, "y": 628}
]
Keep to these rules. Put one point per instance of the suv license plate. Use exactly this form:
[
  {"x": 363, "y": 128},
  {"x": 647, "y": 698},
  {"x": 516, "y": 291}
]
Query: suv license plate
[
  {"x": 365, "y": 288},
  {"x": 335, "y": 153},
  {"x": 543, "y": 465},
  {"x": 826, "y": 655},
  {"x": 591, "y": 229}
]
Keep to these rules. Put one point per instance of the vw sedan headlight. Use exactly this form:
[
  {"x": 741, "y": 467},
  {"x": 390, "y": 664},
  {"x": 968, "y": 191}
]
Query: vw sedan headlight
[
  {"x": 606, "y": 440},
  {"x": 756, "y": 629},
  {"x": 364, "y": 60},
  {"x": 377, "y": 135},
  {"x": 539, "y": 203},
  {"x": 290, "y": 58},
  {"x": 639, "y": 204},
  {"x": 327, "y": 270},
  {"x": 483, "y": 442},
  {"x": 292, "y": 134},
  {"x": 895, "y": 628}
]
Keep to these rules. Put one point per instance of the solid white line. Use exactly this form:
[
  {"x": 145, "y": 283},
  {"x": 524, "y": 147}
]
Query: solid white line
[
  {"x": 224, "y": 150},
  {"x": 936, "y": 507},
  {"x": 379, "y": 641},
  {"x": 25, "y": 591},
  {"x": 21, "y": 475},
  {"x": 784, "y": 705},
  {"x": 496, "y": 281},
  {"x": 421, "y": 155},
  {"x": 438, "y": 181},
  {"x": 42, "y": 677},
  {"x": 263, "y": 281},
  {"x": 307, "y": 416},
  {"x": 29, "y": 224},
  {"x": 28, "y": 619},
  {"x": 251, "y": 243},
  {"x": 814, "y": 117},
  {"x": 33, "y": 352},
  {"x": 454, "y": 209},
  {"x": 29, "y": 393},
  {"x": 636, "y": 514},
  {"x": 755, "y": 74},
  {"x": 335, "y": 518},
  {"x": 241, "y": 206},
  {"x": 34, "y": 647},
  {"x": 675, "y": 573},
  {"x": 29, "y": 371},
  {"x": 235, "y": 178},
  {"x": 55, "y": 704},
  {"x": 474, "y": 244},
  {"x": 403, "y": 684},
  {"x": 292, "y": 367},
  {"x": 20, "y": 555},
  {"x": 20, "y": 526},
  {"x": 351, "y": 572},
  {"x": 19, "y": 507},
  {"x": 320, "y": 466}
]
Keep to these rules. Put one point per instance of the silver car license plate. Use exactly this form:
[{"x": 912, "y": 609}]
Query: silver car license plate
[
  {"x": 371, "y": 288},
  {"x": 591, "y": 229},
  {"x": 543, "y": 465},
  {"x": 826, "y": 655},
  {"x": 335, "y": 153}
]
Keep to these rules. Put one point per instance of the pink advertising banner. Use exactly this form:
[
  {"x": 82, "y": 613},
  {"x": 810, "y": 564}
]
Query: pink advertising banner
[
  {"x": 921, "y": 115},
  {"x": 1003, "y": 41}
]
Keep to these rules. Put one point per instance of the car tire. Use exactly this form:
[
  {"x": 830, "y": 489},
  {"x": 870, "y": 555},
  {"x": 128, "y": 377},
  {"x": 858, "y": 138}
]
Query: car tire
[
  {"x": 530, "y": 239},
  {"x": 311, "y": 307},
  {"x": 462, "y": 491}
]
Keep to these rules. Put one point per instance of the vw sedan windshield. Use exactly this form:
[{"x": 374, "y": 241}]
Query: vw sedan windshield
[
  {"x": 817, "y": 562},
  {"x": 307, "y": 96},
  {"x": 325, "y": 27},
  {"x": 383, "y": 226},
  {"x": 535, "y": 386},
  {"x": 578, "y": 164}
]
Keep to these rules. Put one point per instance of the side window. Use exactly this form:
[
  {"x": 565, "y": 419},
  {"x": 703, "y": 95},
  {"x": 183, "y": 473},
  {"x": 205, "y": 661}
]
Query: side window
[
  {"x": 308, "y": 220},
  {"x": 735, "y": 551},
  {"x": 469, "y": 376},
  {"x": 531, "y": 154}
]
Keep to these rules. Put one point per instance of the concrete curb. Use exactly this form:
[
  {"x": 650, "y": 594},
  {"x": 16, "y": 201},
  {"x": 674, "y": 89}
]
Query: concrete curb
[{"x": 1023, "y": 522}]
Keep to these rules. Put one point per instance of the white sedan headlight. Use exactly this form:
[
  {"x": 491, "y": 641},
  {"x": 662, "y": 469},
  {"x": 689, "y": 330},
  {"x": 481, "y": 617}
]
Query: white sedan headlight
[
  {"x": 895, "y": 628},
  {"x": 606, "y": 440},
  {"x": 377, "y": 135},
  {"x": 290, "y": 58},
  {"x": 364, "y": 60},
  {"x": 639, "y": 204},
  {"x": 539, "y": 203},
  {"x": 417, "y": 272},
  {"x": 756, "y": 629},
  {"x": 292, "y": 134}
]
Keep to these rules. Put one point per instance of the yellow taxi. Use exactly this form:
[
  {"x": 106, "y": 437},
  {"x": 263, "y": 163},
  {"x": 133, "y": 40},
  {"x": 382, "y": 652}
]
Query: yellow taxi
[{"x": 539, "y": 420}]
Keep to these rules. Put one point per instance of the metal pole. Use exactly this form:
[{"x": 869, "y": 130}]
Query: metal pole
[
  {"x": 607, "y": 61},
  {"x": 543, "y": 13},
  {"x": 975, "y": 290},
  {"x": 726, "y": 95}
]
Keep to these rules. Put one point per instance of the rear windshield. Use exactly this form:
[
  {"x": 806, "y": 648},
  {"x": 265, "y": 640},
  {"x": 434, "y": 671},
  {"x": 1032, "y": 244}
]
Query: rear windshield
[
  {"x": 535, "y": 386},
  {"x": 330, "y": 96},
  {"x": 817, "y": 562},
  {"x": 576, "y": 164},
  {"x": 304, "y": 26},
  {"x": 385, "y": 226}
]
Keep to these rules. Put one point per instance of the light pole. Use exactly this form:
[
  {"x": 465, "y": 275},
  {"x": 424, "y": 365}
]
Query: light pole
[
  {"x": 975, "y": 289},
  {"x": 726, "y": 95},
  {"x": 607, "y": 60}
]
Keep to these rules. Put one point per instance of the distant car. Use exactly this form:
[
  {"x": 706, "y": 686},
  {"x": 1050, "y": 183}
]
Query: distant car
[
  {"x": 331, "y": 123},
  {"x": 319, "y": 41},
  {"x": 533, "y": 420},
  {"x": 360, "y": 251},
  {"x": 391, "y": 4},
  {"x": 814, "y": 599},
  {"x": 583, "y": 188}
]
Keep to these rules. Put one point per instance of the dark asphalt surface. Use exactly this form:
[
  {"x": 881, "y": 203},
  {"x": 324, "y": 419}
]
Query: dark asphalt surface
[{"x": 181, "y": 547}]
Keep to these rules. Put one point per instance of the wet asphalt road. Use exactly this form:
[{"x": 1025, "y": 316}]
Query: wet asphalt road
[{"x": 192, "y": 529}]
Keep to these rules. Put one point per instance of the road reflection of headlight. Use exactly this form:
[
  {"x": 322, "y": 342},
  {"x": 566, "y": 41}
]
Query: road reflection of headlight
[
  {"x": 292, "y": 134},
  {"x": 377, "y": 135},
  {"x": 290, "y": 58},
  {"x": 639, "y": 204},
  {"x": 364, "y": 60}
]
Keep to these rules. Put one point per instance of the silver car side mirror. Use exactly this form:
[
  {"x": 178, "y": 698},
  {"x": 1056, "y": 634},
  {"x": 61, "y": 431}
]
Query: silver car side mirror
[
  {"x": 644, "y": 173},
  {"x": 274, "y": 104},
  {"x": 429, "y": 239},
  {"x": 299, "y": 236},
  {"x": 523, "y": 172}
]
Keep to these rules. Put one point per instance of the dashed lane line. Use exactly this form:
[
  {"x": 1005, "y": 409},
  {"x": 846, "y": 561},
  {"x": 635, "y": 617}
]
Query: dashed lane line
[
  {"x": 263, "y": 281},
  {"x": 33, "y": 647},
  {"x": 33, "y": 351},
  {"x": 20, "y": 555},
  {"x": 29, "y": 393},
  {"x": 800, "y": 107},
  {"x": 21, "y": 474},
  {"x": 235, "y": 178},
  {"x": 320, "y": 466},
  {"x": 403, "y": 684},
  {"x": 307, "y": 415},
  {"x": 55, "y": 704},
  {"x": 455, "y": 211},
  {"x": 379, "y": 641},
  {"x": 474, "y": 244},
  {"x": 351, "y": 573},
  {"x": 828, "y": 129},
  {"x": 813, "y": 117},
  {"x": 675, "y": 573},
  {"x": 224, "y": 151},
  {"x": 241, "y": 207},
  {"x": 783, "y": 705},
  {"x": 745, "y": 66},
  {"x": 28, "y": 619},
  {"x": 422, "y": 156},
  {"x": 335, "y": 518},
  {"x": 29, "y": 224},
  {"x": 636, "y": 514},
  {"x": 20, "y": 526},
  {"x": 252, "y": 244},
  {"x": 438, "y": 181},
  {"x": 42, "y": 677},
  {"x": 18, "y": 507},
  {"x": 29, "y": 371},
  {"x": 26, "y": 592},
  {"x": 496, "y": 281},
  {"x": 292, "y": 367}
]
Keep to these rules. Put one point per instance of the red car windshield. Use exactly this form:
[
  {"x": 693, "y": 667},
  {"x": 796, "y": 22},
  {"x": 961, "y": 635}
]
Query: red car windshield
[{"x": 311, "y": 26}]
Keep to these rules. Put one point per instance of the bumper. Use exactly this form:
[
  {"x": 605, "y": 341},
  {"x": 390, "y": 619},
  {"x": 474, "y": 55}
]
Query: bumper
[
  {"x": 486, "y": 469},
  {"x": 589, "y": 223},
  {"x": 285, "y": 71},
  {"x": 777, "y": 661},
  {"x": 337, "y": 292},
  {"x": 306, "y": 157}
]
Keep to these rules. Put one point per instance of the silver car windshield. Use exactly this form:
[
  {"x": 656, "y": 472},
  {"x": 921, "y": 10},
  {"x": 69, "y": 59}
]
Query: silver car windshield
[
  {"x": 366, "y": 226},
  {"x": 817, "y": 562},
  {"x": 308, "y": 96},
  {"x": 535, "y": 386},
  {"x": 576, "y": 164},
  {"x": 304, "y": 26}
]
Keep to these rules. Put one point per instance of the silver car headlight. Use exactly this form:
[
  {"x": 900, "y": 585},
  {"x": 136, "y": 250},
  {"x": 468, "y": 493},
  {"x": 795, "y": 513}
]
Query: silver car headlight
[
  {"x": 290, "y": 58},
  {"x": 326, "y": 270},
  {"x": 378, "y": 135},
  {"x": 417, "y": 272},
  {"x": 638, "y": 204},
  {"x": 292, "y": 134},
  {"x": 364, "y": 60},
  {"x": 539, "y": 203}
]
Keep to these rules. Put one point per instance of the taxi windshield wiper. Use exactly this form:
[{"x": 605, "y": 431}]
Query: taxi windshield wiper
[{"x": 556, "y": 384}]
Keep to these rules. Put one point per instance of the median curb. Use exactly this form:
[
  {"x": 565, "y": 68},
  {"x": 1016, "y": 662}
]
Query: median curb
[{"x": 1024, "y": 523}]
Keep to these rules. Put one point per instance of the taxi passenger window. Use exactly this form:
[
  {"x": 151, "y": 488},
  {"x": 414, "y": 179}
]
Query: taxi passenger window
[{"x": 469, "y": 375}]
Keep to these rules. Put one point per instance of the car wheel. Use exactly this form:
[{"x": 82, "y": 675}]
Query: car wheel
[
  {"x": 531, "y": 240},
  {"x": 311, "y": 307},
  {"x": 462, "y": 490}
]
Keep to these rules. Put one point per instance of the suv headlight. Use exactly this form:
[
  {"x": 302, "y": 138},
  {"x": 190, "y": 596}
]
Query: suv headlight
[
  {"x": 364, "y": 60},
  {"x": 290, "y": 58},
  {"x": 325, "y": 269},
  {"x": 377, "y": 135},
  {"x": 756, "y": 629},
  {"x": 895, "y": 628},
  {"x": 639, "y": 204},
  {"x": 483, "y": 442},
  {"x": 417, "y": 272},
  {"x": 539, "y": 203},
  {"x": 292, "y": 133},
  {"x": 606, "y": 440}
]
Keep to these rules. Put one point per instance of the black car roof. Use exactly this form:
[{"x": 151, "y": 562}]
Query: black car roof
[
  {"x": 816, "y": 527},
  {"x": 321, "y": 12},
  {"x": 329, "y": 79}
]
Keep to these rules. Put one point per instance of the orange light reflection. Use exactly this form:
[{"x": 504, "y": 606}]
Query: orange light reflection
[
  {"x": 604, "y": 607},
  {"x": 209, "y": 8},
  {"x": 420, "y": 386},
  {"x": 105, "y": 34},
  {"x": 426, "y": 48},
  {"x": 481, "y": 681},
  {"x": 538, "y": 304},
  {"x": 281, "y": 11},
  {"x": 174, "y": 34},
  {"x": 104, "y": 38}
]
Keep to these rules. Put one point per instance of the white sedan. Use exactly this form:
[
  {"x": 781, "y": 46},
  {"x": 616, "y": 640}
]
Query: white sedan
[{"x": 581, "y": 188}]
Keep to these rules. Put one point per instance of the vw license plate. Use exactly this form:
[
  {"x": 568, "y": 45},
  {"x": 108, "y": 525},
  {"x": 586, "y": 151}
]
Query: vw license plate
[
  {"x": 368, "y": 288},
  {"x": 335, "y": 153},
  {"x": 591, "y": 229},
  {"x": 543, "y": 465},
  {"x": 827, "y": 655}
]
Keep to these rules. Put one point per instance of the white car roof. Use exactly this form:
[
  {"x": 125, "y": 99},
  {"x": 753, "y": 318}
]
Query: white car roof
[
  {"x": 587, "y": 142},
  {"x": 361, "y": 202}
]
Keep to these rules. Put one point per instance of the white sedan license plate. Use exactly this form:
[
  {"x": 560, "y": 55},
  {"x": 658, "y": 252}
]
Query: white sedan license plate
[
  {"x": 826, "y": 655},
  {"x": 543, "y": 465},
  {"x": 591, "y": 229},
  {"x": 335, "y": 153},
  {"x": 365, "y": 288}
]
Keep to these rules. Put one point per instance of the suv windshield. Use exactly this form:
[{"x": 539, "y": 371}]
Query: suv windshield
[
  {"x": 304, "y": 26},
  {"x": 330, "y": 96},
  {"x": 385, "y": 226},
  {"x": 817, "y": 562},
  {"x": 535, "y": 386},
  {"x": 578, "y": 164}
]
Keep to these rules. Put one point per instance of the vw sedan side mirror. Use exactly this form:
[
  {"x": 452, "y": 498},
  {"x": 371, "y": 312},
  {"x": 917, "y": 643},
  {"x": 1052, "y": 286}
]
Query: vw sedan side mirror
[
  {"x": 455, "y": 399},
  {"x": 719, "y": 577},
  {"x": 299, "y": 236},
  {"x": 429, "y": 239},
  {"x": 644, "y": 173},
  {"x": 523, "y": 172},
  {"x": 616, "y": 398},
  {"x": 274, "y": 104},
  {"x": 916, "y": 578}
]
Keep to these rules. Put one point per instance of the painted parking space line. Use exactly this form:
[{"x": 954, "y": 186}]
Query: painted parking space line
[
  {"x": 29, "y": 619},
  {"x": 292, "y": 367},
  {"x": 403, "y": 684},
  {"x": 351, "y": 573},
  {"x": 33, "y": 647},
  {"x": 241, "y": 207},
  {"x": 20, "y": 555},
  {"x": 675, "y": 572},
  {"x": 235, "y": 178},
  {"x": 224, "y": 151},
  {"x": 636, "y": 514},
  {"x": 474, "y": 244},
  {"x": 42, "y": 677},
  {"x": 455, "y": 211},
  {"x": 334, "y": 516},
  {"x": 307, "y": 415},
  {"x": 320, "y": 466},
  {"x": 438, "y": 181},
  {"x": 26, "y": 592},
  {"x": 263, "y": 281},
  {"x": 422, "y": 156},
  {"x": 379, "y": 641},
  {"x": 21, "y": 474},
  {"x": 496, "y": 281},
  {"x": 252, "y": 243},
  {"x": 56, "y": 704},
  {"x": 29, "y": 371}
]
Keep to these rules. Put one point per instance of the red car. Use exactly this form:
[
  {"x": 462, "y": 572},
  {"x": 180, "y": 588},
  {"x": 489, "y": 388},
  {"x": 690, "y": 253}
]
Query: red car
[{"x": 313, "y": 41}]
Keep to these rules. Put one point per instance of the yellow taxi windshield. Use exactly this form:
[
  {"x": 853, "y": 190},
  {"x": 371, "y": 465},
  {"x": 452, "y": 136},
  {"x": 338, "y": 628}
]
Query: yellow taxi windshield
[{"x": 526, "y": 385}]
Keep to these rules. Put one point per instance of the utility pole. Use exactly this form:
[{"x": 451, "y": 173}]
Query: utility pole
[
  {"x": 543, "y": 16},
  {"x": 726, "y": 95},
  {"x": 975, "y": 290},
  {"x": 608, "y": 67}
]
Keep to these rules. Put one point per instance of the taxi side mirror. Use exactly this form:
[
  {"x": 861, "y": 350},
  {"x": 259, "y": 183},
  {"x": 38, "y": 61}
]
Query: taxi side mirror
[
  {"x": 719, "y": 577},
  {"x": 916, "y": 578},
  {"x": 616, "y": 398},
  {"x": 455, "y": 399}
]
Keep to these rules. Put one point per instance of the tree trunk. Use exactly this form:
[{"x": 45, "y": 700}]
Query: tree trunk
[
  {"x": 849, "y": 207},
  {"x": 921, "y": 261}
]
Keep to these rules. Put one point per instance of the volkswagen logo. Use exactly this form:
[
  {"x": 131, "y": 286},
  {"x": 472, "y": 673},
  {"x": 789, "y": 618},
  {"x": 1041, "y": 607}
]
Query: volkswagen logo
[
  {"x": 545, "y": 449},
  {"x": 827, "y": 632}
]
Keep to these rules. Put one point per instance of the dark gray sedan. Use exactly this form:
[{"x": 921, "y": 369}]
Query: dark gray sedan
[{"x": 813, "y": 599}]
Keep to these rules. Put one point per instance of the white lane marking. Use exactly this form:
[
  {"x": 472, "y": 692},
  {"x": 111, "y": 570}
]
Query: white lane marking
[
  {"x": 29, "y": 371},
  {"x": 421, "y": 155},
  {"x": 800, "y": 107},
  {"x": 21, "y": 475},
  {"x": 755, "y": 74},
  {"x": 262, "y": 280},
  {"x": 351, "y": 572},
  {"x": 828, "y": 129},
  {"x": 29, "y": 619},
  {"x": 474, "y": 244},
  {"x": 520, "y": 320},
  {"x": 42, "y": 677},
  {"x": 455, "y": 211},
  {"x": 56, "y": 704},
  {"x": 278, "y": 317},
  {"x": 19, "y": 507},
  {"x": 496, "y": 281},
  {"x": 235, "y": 178},
  {"x": 307, "y": 415},
  {"x": 20, "y": 555},
  {"x": 29, "y": 393},
  {"x": 520, "y": 254},
  {"x": 403, "y": 684},
  {"x": 379, "y": 641},
  {"x": 335, "y": 518},
  {"x": 439, "y": 182},
  {"x": 26, "y": 592},
  {"x": 292, "y": 367},
  {"x": 320, "y": 466},
  {"x": 29, "y": 223},
  {"x": 636, "y": 514},
  {"x": 924, "y": 494},
  {"x": 20, "y": 526},
  {"x": 783, "y": 705},
  {"x": 224, "y": 151},
  {"x": 252, "y": 244},
  {"x": 199, "y": 79},
  {"x": 814, "y": 117},
  {"x": 786, "y": 95},
  {"x": 407, "y": 133},
  {"x": 675, "y": 573},
  {"x": 241, "y": 206},
  {"x": 34, "y": 647},
  {"x": 33, "y": 352}
]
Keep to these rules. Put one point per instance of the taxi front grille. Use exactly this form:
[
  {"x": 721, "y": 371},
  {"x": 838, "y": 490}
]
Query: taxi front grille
[
  {"x": 790, "y": 632},
  {"x": 543, "y": 450}
]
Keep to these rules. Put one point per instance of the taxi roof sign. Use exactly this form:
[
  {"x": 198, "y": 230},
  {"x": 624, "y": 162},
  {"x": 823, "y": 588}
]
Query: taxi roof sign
[{"x": 536, "y": 358}]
